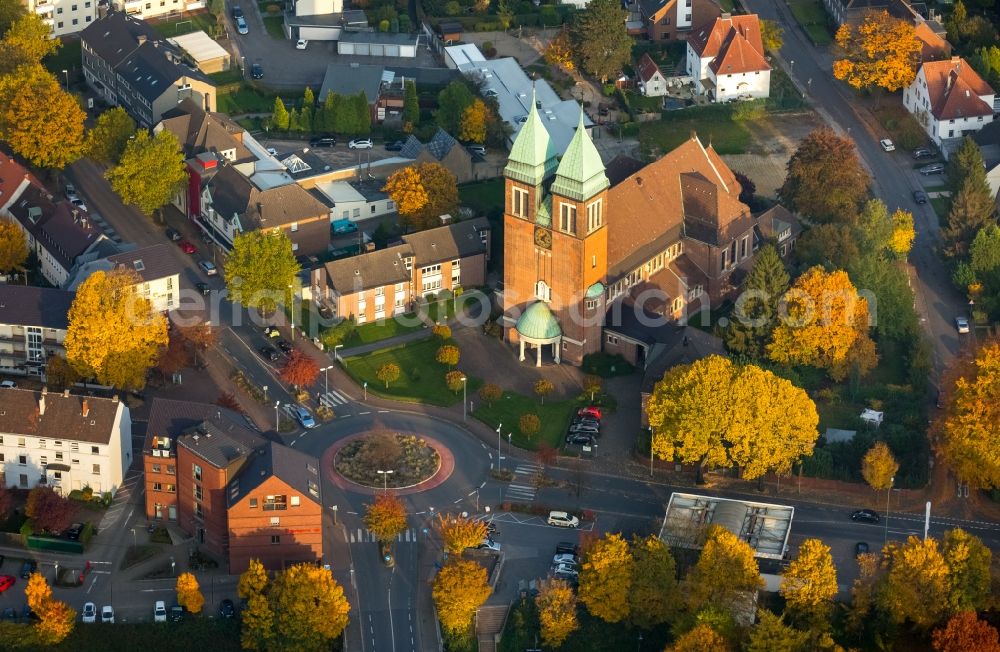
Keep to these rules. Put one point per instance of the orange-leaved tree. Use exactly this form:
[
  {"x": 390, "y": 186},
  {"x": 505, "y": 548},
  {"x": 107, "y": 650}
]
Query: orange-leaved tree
[
  {"x": 189, "y": 593},
  {"x": 459, "y": 532},
  {"x": 423, "y": 193},
  {"x": 964, "y": 632},
  {"x": 300, "y": 370},
  {"x": 386, "y": 517},
  {"x": 971, "y": 427},
  {"x": 880, "y": 52}
]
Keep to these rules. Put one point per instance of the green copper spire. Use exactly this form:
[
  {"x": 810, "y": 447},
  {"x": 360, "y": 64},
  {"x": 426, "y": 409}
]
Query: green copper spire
[
  {"x": 533, "y": 156},
  {"x": 581, "y": 172}
]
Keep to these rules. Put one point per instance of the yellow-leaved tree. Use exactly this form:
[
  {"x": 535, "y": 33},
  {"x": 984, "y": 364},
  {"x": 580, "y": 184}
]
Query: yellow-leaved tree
[
  {"x": 903, "y": 233},
  {"x": 715, "y": 413},
  {"x": 825, "y": 325},
  {"x": 459, "y": 532},
  {"x": 385, "y": 517},
  {"x": 917, "y": 585},
  {"x": 310, "y": 609},
  {"x": 423, "y": 193},
  {"x": 970, "y": 433},
  {"x": 879, "y": 466},
  {"x": 559, "y": 51},
  {"x": 702, "y": 638},
  {"x": 406, "y": 190},
  {"x": 606, "y": 578},
  {"x": 13, "y": 246},
  {"x": 189, "y": 593},
  {"x": 257, "y": 619},
  {"x": 809, "y": 583},
  {"x": 556, "y": 603},
  {"x": 969, "y": 562},
  {"x": 880, "y": 52},
  {"x": 114, "y": 335},
  {"x": 771, "y": 634},
  {"x": 472, "y": 128},
  {"x": 460, "y": 588},
  {"x": 47, "y": 133},
  {"x": 56, "y": 619},
  {"x": 726, "y": 571},
  {"x": 38, "y": 592},
  {"x": 654, "y": 597}
]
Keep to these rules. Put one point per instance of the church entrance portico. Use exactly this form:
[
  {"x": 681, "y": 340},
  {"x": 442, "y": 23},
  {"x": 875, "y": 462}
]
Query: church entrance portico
[{"x": 536, "y": 328}]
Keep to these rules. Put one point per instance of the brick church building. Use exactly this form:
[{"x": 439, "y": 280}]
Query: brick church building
[{"x": 591, "y": 265}]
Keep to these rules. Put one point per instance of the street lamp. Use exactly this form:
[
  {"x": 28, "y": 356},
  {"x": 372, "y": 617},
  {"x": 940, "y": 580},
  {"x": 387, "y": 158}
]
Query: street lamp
[
  {"x": 465, "y": 402},
  {"x": 133, "y": 538},
  {"x": 326, "y": 379},
  {"x": 277, "y": 424},
  {"x": 66, "y": 72},
  {"x": 385, "y": 479},
  {"x": 499, "y": 454},
  {"x": 292, "y": 309},
  {"x": 892, "y": 481},
  {"x": 366, "y": 389},
  {"x": 791, "y": 64}
]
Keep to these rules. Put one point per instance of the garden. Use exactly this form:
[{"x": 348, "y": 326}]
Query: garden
[
  {"x": 553, "y": 418},
  {"x": 410, "y": 457},
  {"x": 814, "y": 19}
]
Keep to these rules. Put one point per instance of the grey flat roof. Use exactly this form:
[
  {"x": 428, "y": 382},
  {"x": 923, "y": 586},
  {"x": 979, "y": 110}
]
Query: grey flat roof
[
  {"x": 762, "y": 525},
  {"x": 379, "y": 37}
]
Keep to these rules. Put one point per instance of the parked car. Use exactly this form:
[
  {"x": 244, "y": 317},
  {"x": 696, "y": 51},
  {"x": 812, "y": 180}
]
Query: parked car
[
  {"x": 932, "y": 168},
  {"x": 203, "y": 287},
  {"x": 268, "y": 353},
  {"x": 173, "y": 234},
  {"x": 590, "y": 411},
  {"x": 920, "y": 196},
  {"x": 564, "y": 558},
  {"x": 89, "y": 612},
  {"x": 272, "y": 331},
  {"x": 241, "y": 25},
  {"x": 27, "y": 615},
  {"x": 567, "y": 548},
  {"x": 208, "y": 267},
  {"x": 887, "y": 145},
  {"x": 478, "y": 150},
  {"x": 581, "y": 438},
  {"x": 285, "y": 346},
  {"x": 107, "y": 614},
  {"x": 8, "y": 384},
  {"x": 28, "y": 568},
  {"x": 160, "y": 612},
  {"x": 301, "y": 44},
  {"x": 74, "y": 531},
  {"x": 962, "y": 324},
  {"x": 187, "y": 247},
  {"x": 237, "y": 12},
  {"x": 562, "y": 519},
  {"x": 565, "y": 571},
  {"x": 394, "y": 146},
  {"x": 491, "y": 92},
  {"x": 227, "y": 609},
  {"x": 256, "y": 71},
  {"x": 10, "y": 613},
  {"x": 6, "y": 581},
  {"x": 361, "y": 143},
  {"x": 78, "y": 203},
  {"x": 860, "y": 548},
  {"x": 586, "y": 421},
  {"x": 304, "y": 417},
  {"x": 176, "y": 613},
  {"x": 70, "y": 191},
  {"x": 865, "y": 516},
  {"x": 340, "y": 227},
  {"x": 325, "y": 141},
  {"x": 922, "y": 152},
  {"x": 272, "y": 151},
  {"x": 489, "y": 544},
  {"x": 579, "y": 428}
]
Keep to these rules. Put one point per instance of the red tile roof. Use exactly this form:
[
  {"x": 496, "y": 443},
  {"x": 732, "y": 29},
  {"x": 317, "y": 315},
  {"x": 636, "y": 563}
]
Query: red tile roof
[
  {"x": 954, "y": 89},
  {"x": 934, "y": 47},
  {"x": 12, "y": 175},
  {"x": 734, "y": 43},
  {"x": 647, "y": 68}
]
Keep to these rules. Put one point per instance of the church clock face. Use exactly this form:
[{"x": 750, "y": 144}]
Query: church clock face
[{"x": 543, "y": 238}]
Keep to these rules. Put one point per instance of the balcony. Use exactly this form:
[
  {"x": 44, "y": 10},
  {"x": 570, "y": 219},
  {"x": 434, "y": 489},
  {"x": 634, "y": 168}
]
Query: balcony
[{"x": 44, "y": 8}]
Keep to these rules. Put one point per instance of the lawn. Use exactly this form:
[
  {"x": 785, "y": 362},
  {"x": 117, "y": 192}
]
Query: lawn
[
  {"x": 67, "y": 57},
  {"x": 200, "y": 22},
  {"x": 219, "y": 635},
  {"x": 942, "y": 206},
  {"x": 554, "y": 415},
  {"x": 275, "y": 26},
  {"x": 482, "y": 196},
  {"x": 713, "y": 124},
  {"x": 422, "y": 377},
  {"x": 246, "y": 100},
  {"x": 814, "y": 20},
  {"x": 230, "y": 76},
  {"x": 376, "y": 331}
]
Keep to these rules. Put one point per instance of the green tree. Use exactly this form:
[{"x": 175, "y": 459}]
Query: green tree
[
  {"x": 47, "y": 133},
  {"x": 279, "y": 116},
  {"x": 294, "y": 120},
  {"x": 13, "y": 246},
  {"x": 323, "y": 120},
  {"x": 10, "y": 11},
  {"x": 756, "y": 309},
  {"x": 965, "y": 163},
  {"x": 411, "y": 106},
  {"x": 460, "y": 588},
  {"x": 888, "y": 282},
  {"x": 106, "y": 142},
  {"x": 363, "y": 114},
  {"x": 654, "y": 596},
  {"x": 972, "y": 209},
  {"x": 505, "y": 13},
  {"x": 453, "y": 100},
  {"x": 25, "y": 43},
  {"x": 917, "y": 585},
  {"x": 969, "y": 577},
  {"x": 260, "y": 268},
  {"x": 832, "y": 246},
  {"x": 601, "y": 44},
  {"x": 308, "y": 106},
  {"x": 809, "y": 583},
  {"x": 310, "y": 609},
  {"x": 606, "y": 578},
  {"x": 771, "y": 634},
  {"x": 343, "y": 115},
  {"x": 826, "y": 181},
  {"x": 150, "y": 172},
  {"x": 725, "y": 572}
]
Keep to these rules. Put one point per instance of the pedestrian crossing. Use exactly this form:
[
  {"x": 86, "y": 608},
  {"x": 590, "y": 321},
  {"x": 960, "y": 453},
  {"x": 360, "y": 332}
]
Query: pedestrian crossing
[
  {"x": 361, "y": 535},
  {"x": 523, "y": 485},
  {"x": 333, "y": 397}
]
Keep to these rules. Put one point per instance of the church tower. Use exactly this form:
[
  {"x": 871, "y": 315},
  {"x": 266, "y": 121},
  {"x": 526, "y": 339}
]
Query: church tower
[{"x": 555, "y": 244}]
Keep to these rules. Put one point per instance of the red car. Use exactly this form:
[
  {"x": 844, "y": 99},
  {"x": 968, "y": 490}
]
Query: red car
[
  {"x": 6, "y": 581},
  {"x": 187, "y": 247},
  {"x": 590, "y": 411}
]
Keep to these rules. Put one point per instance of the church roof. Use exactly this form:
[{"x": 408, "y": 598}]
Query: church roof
[
  {"x": 580, "y": 174},
  {"x": 538, "y": 323},
  {"x": 533, "y": 156}
]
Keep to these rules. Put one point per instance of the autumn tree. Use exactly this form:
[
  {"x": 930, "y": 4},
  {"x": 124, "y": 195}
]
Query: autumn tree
[
  {"x": 600, "y": 42},
  {"x": 48, "y": 134},
  {"x": 114, "y": 335},
  {"x": 310, "y": 609},
  {"x": 879, "y": 466},
  {"x": 699, "y": 415},
  {"x": 411, "y": 106},
  {"x": 107, "y": 140},
  {"x": 10, "y": 11},
  {"x": 454, "y": 381},
  {"x": 606, "y": 579},
  {"x": 903, "y": 233},
  {"x": 809, "y": 583},
  {"x": 771, "y": 634},
  {"x": 969, "y": 576},
  {"x": 300, "y": 370},
  {"x": 453, "y": 100},
  {"x": 592, "y": 385},
  {"x": 825, "y": 180},
  {"x": 543, "y": 388},
  {"x": 556, "y": 603},
  {"x": 490, "y": 393},
  {"x": 559, "y": 51},
  {"x": 460, "y": 588},
  {"x": 726, "y": 570},
  {"x": 422, "y": 194},
  {"x": 388, "y": 373},
  {"x": 881, "y": 52},
  {"x": 56, "y": 623},
  {"x": 654, "y": 594},
  {"x": 448, "y": 355},
  {"x": 864, "y": 591},
  {"x": 200, "y": 337},
  {"x": 150, "y": 172},
  {"x": 529, "y": 425},
  {"x": 964, "y": 632},
  {"x": 13, "y": 246},
  {"x": 472, "y": 128},
  {"x": 825, "y": 325},
  {"x": 189, "y": 593},
  {"x": 459, "y": 532},
  {"x": 442, "y": 332},
  {"x": 917, "y": 585},
  {"x": 260, "y": 268},
  {"x": 173, "y": 357},
  {"x": 772, "y": 36},
  {"x": 385, "y": 517},
  {"x": 280, "y": 119},
  {"x": 257, "y": 618},
  {"x": 59, "y": 373},
  {"x": 702, "y": 638},
  {"x": 25, "y": 43},
  {"x": 756, "y": 310},
  {"x": 38, "y": 593},
  {"x": 970, "y": 440}
]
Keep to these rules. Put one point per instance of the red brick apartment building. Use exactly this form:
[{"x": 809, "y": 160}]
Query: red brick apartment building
[{"x": 238, "y": 495}]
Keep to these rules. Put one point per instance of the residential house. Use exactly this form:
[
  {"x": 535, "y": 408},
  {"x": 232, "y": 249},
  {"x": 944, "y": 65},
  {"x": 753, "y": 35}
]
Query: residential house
[
  {"x": 126, "y": 63},
  {"x": 949, "y": 99},
  {"x": 14, "y": 180},
  {"x": 355, "y": 200},
  {"x": 33, "y": 323},
  {"x": 668, "y": 20},
  {"x": 441, "y": 148},
  {"x": 156, "y": 268},
  {"x": 382, "y": 86},
  {"x": 64, "y": 441},
  {"x": 321, "y": 20},
  {"x": 779, "y": 227},
  {"x": 726, "y": 59},
  {"x": 933, "y": 41},
  {"x": 64, "y": 16},
  {"x": 652, "y": 83},
  {"x": 988, "y": 140},
  {"x": 854, "y": 11},
  {"x": 386, "y": 282},
  {"x": 148, "y": 9}
]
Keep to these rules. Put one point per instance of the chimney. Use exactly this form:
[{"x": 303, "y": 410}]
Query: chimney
[
  {"x": 86, "y": 408},
  {"x": 726, "y": 15},
  {"x": 260, "y": 212},
  {"x": 65, "y": 393},
  {"x": 41, "y": 403}
]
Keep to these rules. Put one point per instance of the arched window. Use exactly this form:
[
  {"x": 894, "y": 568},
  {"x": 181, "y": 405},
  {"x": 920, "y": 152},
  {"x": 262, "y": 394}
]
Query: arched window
[{"x": 542, "y": 291}]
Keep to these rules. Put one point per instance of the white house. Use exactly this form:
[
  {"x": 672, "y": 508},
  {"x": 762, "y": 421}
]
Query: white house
[
  {"x": 33, "y": 323},
  {"x": 156, "y": 267},
  {"x": 726, "y": 61},
  {"x": 949, "y": 99},
  {"x": 652, "y": 83},
  {"x": 67, "y": 442},
  {"x": 355, "y": 201}
]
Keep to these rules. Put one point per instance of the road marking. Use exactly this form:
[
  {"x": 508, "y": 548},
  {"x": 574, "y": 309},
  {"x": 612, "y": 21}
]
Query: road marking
[
  {"x": 364, "y": 412},
  {"x": 97, "y": 572},
  {"x": 156, "y": 590},
  {"x": 483, "y": 484},
  {"x": 91, "y": 587},
  {"x": 380, "y": 412}
]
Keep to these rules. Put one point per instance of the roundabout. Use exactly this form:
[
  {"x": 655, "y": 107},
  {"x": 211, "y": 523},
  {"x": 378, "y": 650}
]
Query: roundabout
[{"x": 403, "y": 462}]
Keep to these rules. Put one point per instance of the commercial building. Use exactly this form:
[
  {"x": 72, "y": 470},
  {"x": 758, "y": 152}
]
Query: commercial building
[{"x": 765, "y": 527}]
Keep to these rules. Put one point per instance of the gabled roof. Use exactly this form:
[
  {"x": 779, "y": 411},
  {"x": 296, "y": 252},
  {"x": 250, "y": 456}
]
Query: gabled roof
[
  {"x": 65, "y": 416},
  {"x": 351, "y": 79},
  {"x": 621, "y": 167},
  {"x": 26, "y": 305},
  {"x": 651, "y": 7},
  {"x": 169, "y": 419},
  {"x": 14, "y": 178},
  {"x": 934, "y": 46},
  {"x": 580, "y": 174},
  {"x": 64, "y": 236},
  {"x": 438, "y": 146},
  {"x": 369, "y": 270},
  {"x": 954, "y": 89},
  {"x": 449, "y": 242},
  {"x": 682, "y": 345},
  {"x": 234, "y": 194},
  {"x": 296, "y": 469},
  {"x": 150, "y": 263},
  {"x": 199, "y": 131},
  {"x": 733, "y": 43},
  {"x": 646, "y": 68}
]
